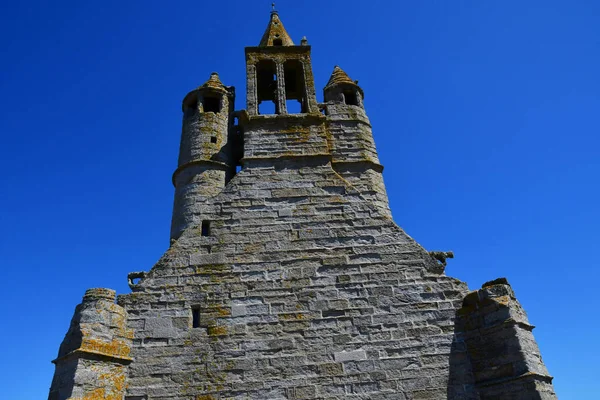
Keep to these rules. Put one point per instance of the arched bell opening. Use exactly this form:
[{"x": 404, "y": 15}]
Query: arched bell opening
[
  {"x": 295, "y": 87},
  {"x": 266, "y": 87}
]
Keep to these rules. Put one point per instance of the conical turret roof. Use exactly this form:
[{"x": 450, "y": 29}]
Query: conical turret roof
[
  {"x": 275, "y": 33},
  {"x": 213, "y": 83},
  {"x": 339, "y": 76}
]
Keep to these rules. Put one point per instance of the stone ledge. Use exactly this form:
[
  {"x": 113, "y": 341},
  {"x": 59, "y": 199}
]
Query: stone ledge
[
  {"x": 501, "y": 325},
  {"x": 285, "y": 157},
  {"x": 527, "y": 375},
  {"x": 345, "y": 164},
  {"x": 215, "y": 164},
  {"x": 94, "y": 355}
]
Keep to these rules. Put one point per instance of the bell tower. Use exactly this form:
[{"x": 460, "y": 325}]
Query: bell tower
[{"x": 279, "y": 71}]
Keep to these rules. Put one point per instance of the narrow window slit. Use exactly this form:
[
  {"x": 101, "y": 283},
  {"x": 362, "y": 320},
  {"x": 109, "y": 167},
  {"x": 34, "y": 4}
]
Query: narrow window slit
[
  {"x": 195, "y": 317},
  {"x": 205, "y": 228}
]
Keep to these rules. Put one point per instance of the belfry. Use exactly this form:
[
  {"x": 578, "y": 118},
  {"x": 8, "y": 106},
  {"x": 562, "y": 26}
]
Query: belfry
[{"x": 286, "y": 277}]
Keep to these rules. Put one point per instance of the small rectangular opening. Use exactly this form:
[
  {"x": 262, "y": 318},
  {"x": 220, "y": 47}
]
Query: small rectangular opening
[
  {"x": 211, "y": 104},
  {"x": 195, "y": 317},
  {"x": 350, "y": 98},
  {"x": 205, "y": 228},
  {"x": 213, "y": 139},
  {"x": 238, "y": 168}
]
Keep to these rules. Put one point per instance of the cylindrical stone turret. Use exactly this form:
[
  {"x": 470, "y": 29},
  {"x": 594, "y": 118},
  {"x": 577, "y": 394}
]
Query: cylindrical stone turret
[
  {"x": 353, "y": 151},
  {"x": 205, "y": 158}
]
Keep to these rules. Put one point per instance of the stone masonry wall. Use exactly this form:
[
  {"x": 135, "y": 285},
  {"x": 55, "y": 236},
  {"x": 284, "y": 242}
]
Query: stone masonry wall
[{"x": 304, "y": 291}]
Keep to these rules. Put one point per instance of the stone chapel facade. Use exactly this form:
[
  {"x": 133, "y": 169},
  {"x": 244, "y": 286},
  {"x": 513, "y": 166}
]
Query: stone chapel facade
[{"x": 286, "y": 277}]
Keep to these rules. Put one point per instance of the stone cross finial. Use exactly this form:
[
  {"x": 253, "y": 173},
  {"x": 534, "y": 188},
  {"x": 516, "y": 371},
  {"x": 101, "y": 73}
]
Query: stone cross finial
[{"x": 273, "y": 6}]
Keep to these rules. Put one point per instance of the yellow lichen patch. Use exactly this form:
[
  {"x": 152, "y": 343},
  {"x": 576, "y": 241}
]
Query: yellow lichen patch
[
  {"x": 301, "y": 136},
  {"x": 115, "y": 382},
  {"x": 504, "y": 300},
  {"x": 96, "y": 394},
  {"x": 291, "y": 316},
  {"x": 128, "y": 333},
  {"x": 253, "y": 248},
  {"x": 217, "y": 330},
  {"x": 215, "y": 311},
  {"x": 223, "y": 311},
  {"x": 112, "y": 387},
  {"x": 114, "y": 348}
]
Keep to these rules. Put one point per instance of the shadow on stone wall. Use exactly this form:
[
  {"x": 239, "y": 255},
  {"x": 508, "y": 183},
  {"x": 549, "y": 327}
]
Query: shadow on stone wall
[
  {"x": 494, "y": 354},
  {"x": 461, "y": 384}
]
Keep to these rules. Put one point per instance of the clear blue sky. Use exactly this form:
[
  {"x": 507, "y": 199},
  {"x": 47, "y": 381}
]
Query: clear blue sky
[{"x": 486, "y": 115}]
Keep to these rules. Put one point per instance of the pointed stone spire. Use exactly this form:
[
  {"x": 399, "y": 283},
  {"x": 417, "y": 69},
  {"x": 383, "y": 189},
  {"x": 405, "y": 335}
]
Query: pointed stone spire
[
  {"x": 339, "y": 76},
  {"x": 275, "y": 34}
]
